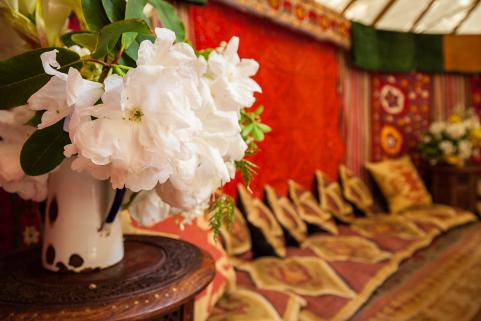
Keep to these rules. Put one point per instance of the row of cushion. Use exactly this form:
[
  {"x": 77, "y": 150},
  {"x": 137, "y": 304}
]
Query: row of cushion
[
  {"x": 328, "y": 275},
  {"x": 282, "y": 220}
]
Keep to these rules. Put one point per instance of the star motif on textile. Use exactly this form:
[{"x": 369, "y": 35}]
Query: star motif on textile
[{"x": 392, "y": 99}]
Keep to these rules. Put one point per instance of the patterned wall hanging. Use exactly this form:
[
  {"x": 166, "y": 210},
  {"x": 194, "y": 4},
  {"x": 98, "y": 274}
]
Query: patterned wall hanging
[{"x": 400, "y": 113}]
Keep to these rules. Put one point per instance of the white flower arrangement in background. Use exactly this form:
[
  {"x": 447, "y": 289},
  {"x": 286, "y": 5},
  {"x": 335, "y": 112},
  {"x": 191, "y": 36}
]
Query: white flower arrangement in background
[{"x": 455, "y": 141}]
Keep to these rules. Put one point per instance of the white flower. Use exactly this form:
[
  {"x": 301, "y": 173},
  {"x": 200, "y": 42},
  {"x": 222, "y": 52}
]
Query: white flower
[
  {"x": 427, "y": 139},
  {"x": 163, "y": 126},
  {"x": 465, "y": 149},
  {"x": 163, "y": 52},
  {"x": 447, "y": 147},
  {"x": 146, "y": 120},
  {"x": 232, "y": 85},
  {"x": 63, "y": 92},
  {"x": 456, "y": 131},
  {"x": 80, "y": 50},
  {"x": 13, "y": 135},
  {"x": 148, "y": 209},
  {"x": 472, "y": 123},
  {"x": 437, "y": 128}
]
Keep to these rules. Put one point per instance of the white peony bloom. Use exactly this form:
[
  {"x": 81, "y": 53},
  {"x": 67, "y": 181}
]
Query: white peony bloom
[
  {"x": 456, "y": 131},
  {"x": 63, "y": 92},
  {"x": 194, "y": 180},
  {"x": 231, "y": 84},
  {"x": 13, "y": 135},
  {"x": 146, "y": 120},
  {"x": 437, "y": 128},
  {"x": 465, "y": 149},
  {"x": 447, "y": 147},
  {"x": 148, "y": 209}
]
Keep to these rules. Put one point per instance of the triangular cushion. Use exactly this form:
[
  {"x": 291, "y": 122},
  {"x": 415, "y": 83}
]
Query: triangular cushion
[
  {"x": 331, "y": 200},
  {"x": 267, "y": 235},
  {"x": 355, "y": 191},
  {"x": 308, "y": 208},
  {"x": 286, "y": 214}
]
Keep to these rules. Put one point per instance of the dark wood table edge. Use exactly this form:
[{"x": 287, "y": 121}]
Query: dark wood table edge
[{"x": 142, "y": 306}]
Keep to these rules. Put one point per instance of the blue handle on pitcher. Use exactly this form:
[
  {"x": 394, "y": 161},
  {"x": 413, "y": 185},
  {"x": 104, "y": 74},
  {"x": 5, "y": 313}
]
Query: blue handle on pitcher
[{"x": 118, "y": 198}]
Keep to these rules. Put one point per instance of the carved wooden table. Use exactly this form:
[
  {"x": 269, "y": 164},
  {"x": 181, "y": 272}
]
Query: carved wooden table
[
  {"x": 157, "y": 280},
  {"x": 455, "y": 186}
]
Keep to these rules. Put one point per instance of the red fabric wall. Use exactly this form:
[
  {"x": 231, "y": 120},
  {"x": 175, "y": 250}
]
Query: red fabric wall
[{"x": 299, "y": 77}]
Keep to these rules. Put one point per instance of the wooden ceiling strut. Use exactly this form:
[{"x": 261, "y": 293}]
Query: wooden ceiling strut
[
  {"x": 421, "y": 15},
  {"x": 383, "y": 11},
  {"x": 466, "y": 16},
  {"x": 441, "y": 19},
  {"x": 348, "y": 5}
]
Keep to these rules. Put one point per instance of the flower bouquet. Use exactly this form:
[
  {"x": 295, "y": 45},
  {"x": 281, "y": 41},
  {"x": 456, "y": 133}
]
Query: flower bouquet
[
  {"x": 455, "y": 141},
  {"x": 120, "y": 102}
]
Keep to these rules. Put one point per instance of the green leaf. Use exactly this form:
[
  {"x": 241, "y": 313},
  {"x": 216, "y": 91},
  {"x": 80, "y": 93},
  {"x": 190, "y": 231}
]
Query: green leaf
[
  {"x": 257, "y": 133},
  {"x": 36, "y": 119},
  {"x": 86, "y": 39},
  {"x": 43, "y": 150},
  {"x": 169, "y": 18},
  {"x": 94, "y": 14},
  {"x": 247, "y": 170},
  {"x": 133, "y": 50},
  {"x": 264, "y": 128},
  {"x": 22, "y": 75},
  {"x": 259, "y": 110},
  {"x": 199, "y": 2},
  {"x": 221, "y": 211},
  {"x": 115, "y": 9},
  {"x": 247, "y": 129},
  {"x": 110, "y": 34},
  {"x": 66, "y": 38},
  {"x": 133, "y": 10}
]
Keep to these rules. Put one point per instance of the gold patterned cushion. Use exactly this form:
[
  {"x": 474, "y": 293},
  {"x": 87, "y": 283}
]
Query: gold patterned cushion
[
  {"x": 308, "y": 208},
  {"x": 388, "y": 225},
  {"x": 247, "y": 304},
  {"x": 286, "y": 214},
  {"x": 400, "y": 184},
  {"x": 442, "y": 216},
  {"x": 237, "y": 239},
  {"x": 346, "y": 248},
  {"x": 302, "y": 275},
  {"x": 355, "y": 191},
  {"x": 331, "y": 200},
  {"x": 259, "y": 216}
]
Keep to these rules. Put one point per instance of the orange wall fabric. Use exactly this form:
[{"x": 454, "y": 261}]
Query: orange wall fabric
[
  {"x": 299, "y": 77},
  {"x": 462, "y": 53}
]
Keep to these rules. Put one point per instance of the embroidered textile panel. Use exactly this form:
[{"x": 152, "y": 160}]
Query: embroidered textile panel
[{"x": 400, "y": 113}]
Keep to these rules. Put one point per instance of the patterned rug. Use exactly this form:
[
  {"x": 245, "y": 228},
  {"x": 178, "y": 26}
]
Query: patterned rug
[{"x": 443, "y": 283}]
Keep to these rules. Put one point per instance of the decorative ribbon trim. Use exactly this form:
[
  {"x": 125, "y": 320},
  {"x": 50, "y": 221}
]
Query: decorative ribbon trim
[{"x": 306, "y": 16}]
